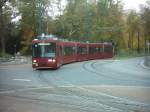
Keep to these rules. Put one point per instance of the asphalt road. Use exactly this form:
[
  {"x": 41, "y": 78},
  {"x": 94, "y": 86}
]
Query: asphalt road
[{"x": 90, "y": 86}]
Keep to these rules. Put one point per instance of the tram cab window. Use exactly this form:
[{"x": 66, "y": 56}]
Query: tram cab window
[{"x": 44, "y": 50}]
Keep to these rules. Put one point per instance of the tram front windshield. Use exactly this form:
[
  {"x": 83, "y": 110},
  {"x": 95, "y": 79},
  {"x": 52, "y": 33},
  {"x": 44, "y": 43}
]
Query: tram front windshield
[{"x": 44, "y": 50}]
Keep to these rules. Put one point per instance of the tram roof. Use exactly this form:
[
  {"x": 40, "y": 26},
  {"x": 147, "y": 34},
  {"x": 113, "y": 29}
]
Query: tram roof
[{"x": 49, "y": 38}]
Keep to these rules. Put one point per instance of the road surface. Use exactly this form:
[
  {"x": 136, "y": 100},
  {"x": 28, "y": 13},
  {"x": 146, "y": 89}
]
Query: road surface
[{"x": 89, "y": 86}]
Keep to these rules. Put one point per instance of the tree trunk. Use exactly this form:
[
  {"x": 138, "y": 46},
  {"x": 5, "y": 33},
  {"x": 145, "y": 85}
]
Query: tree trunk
[
  {"x": 3, "y": 45},
  {"x": 2, "y": 27},
  {"x": 129, "y": 41},
  {"x": 132, "y": 34},
  {"x": 138, "y": 49},
  {"x": 145, "y": 42}
]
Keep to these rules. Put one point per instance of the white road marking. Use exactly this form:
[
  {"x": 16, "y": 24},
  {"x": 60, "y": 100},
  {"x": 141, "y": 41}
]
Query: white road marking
[
  {"x": 114, "y": 86},
  {"x": 5, "y": 92},
  {"x": 116, "y": 60},
  {"x": 25, "y": 80}
]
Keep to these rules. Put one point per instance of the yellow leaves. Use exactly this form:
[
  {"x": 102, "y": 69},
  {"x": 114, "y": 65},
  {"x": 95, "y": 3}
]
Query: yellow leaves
[{"x": 27, "y": 36}]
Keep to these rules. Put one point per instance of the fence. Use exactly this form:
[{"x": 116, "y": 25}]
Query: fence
[{"x": 16, "y": 60}]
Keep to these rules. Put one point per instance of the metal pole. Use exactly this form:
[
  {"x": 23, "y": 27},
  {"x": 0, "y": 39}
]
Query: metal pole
[
  {"x": 138, "y": 41},
  {"x": 148, "y": 44},
  {"x": 15, "y": 49}
]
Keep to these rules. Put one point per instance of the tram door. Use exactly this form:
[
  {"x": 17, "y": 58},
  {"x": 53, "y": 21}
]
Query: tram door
[{"x": 60, "y": 54}]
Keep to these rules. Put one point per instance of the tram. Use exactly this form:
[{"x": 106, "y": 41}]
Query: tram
[{"x": 51, "y": 52}]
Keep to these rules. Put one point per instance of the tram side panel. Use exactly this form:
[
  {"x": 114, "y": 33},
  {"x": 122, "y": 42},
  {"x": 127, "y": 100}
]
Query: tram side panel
[
  {"x": 95, "y": 51},
  {"x": 59, "y": 56},
  {"x": 108, "y": 51},
  {"x": 69, "y": 52},
  {"x": 82, "y": 52}
]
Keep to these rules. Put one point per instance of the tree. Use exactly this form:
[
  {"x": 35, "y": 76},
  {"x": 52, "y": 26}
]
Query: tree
[
  {"x": 4, "y": 22},
  {"x": 33, "y": 21},
  {"x": 100, "y": 20},
  {"x": 83, "y": 20},
  {"x": 131, "y": 25},
  {"x": 145, "y": 15}
]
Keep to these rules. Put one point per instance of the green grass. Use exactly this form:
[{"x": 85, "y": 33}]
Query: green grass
[{"x": 129, "y": 54}]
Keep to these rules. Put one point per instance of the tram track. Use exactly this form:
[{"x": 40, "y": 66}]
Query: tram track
[
  {"x": 57, "y": 103},
  {"x": 94, "y": 99},
  {"x": 41, "y": 76},
  {"x": 103, "y": 74},
  {"x": 92, "y": 68},
  {"x": 84, "y": 66},
  {"x": 90, "y": 97},
  {"x": 77, "y": 93},
  {"x": 85, "y": 106}
]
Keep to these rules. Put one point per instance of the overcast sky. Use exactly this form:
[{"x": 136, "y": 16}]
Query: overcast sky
[{"x": 133, "y": 4}]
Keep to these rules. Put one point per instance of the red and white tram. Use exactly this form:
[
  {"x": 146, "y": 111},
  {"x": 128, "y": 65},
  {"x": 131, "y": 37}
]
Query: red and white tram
[{"x": 52, "y": 53}]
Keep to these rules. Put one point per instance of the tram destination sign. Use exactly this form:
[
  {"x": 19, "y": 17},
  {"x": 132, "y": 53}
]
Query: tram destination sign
[{"x": 44, "y": 43}]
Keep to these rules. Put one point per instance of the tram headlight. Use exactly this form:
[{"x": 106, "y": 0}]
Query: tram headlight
[
  {"x": 50, "y": 60},
  {"x": 54, "y": 60},
  {"x": 34, "y": 61}
]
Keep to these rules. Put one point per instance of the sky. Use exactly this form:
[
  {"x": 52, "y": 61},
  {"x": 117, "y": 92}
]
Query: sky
[{"x": 133, "y": 4}]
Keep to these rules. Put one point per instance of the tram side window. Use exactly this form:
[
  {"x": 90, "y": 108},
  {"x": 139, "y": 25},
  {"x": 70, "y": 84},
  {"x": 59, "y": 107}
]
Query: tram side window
[
  {"x": 82, "y": 50},
  {"x": 36, "y": 52},
  {"x": 68, "y": 51},
  {"x": 92, "y": 50},
  {"x": 100, "y": 50},
  {"x": 97, "y": 50},
  {"x": 108, "y": 49}
]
